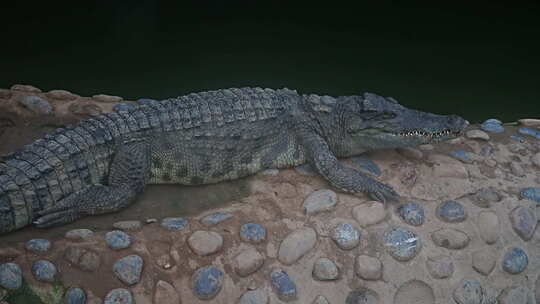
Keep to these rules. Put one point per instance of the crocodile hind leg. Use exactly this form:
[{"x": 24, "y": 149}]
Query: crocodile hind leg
[{"x": 127, "y": 177}]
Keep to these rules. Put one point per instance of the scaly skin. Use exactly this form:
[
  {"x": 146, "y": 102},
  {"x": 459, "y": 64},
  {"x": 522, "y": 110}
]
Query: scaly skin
[{"x": 100, "y": 164}]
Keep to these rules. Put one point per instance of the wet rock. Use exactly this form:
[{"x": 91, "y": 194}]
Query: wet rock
[
  {"x": 461, "y": 155},
  {"x": 215, "y": 218},
  {"x": 366, "y": 164},
  {"x": 117, "y": 239},
  {"x": 523, "y": 221},
  {"x": 325, "y": 269},
  {"x": 119, "y": 296},
  {"x": 488, "y": 226},
  {"x": 5, "y": 94},
  {"x": 411, "y": 153},
  {"x": 10, "y": 276},
  {"x": 401, "y": 243},
  {"x": 44, "y": 271},
  {"x": 484, "y": 197},
  {"x": 535, "y": 159},
  {"x": 270, "y": 172},
  {"x": 25, "y": 88},
  {"x": 306, "y": 170},
  {"x": 515, "y": 260},
  {"x": 320, "y": 300},
  {"x": 165, "y": 293},
  {"x": 440, "y": 267},
  {"x": 107, "y": 98},
  {"x": 84, "y": 259},
  {"x": 128, "y": 225},
  {"x": 516, "y": 295},
  {"x": 38, "y": 246},
  {"x": 517, "y": 170},
  {"x": 483, "y": 261},
  {"x": 450, "y": 238},
  {"x": 412, "y": 213},
  {"x": 296, "y": 245},
  {"x": 477, "y": 134},
  {"x": 368, "y": 268},
  {"x": 79, "y": 234},
  {"x": 61, "y": 95},
  {"x": 146, "y": 101},
  {"x": 451, "y": 212},
  {"x": 369, "y": 213},
  {"x": 128, "y": 269},
  {"x": 414, "y": 291},
  {"x": 283, "y": 285},
  {"x": 362, "y": 296},
  {"x": 174, "y": 223},
  {"x": 531, "y": 193},
  {"x": 252, "y": 233},
  {"x": 493, "y": 126},
  {"x": 529, "y": 122},
  {"x": 36, "y": 104},
  {"x": 346, "y": 236},
  {"x": 468, "y": 292},
  {"x": 123, "y": 107},
  {"x": 205, "y": 243},
  {"x": 247, "y": 262},
  {"x": 530, "y": 131},
  {"x": 84, "y": 109},
  {"x": 75, "y": 295},
  {"x": 257, "y": 296},
  {"x": 207, "y": 282},
  {"x": 319, "y": 201}
]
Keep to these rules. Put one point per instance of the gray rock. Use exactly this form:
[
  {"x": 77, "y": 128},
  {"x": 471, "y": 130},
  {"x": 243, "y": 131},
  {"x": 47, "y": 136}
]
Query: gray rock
[
  {"x": 515, "y": 260},
  {"x": 535, "y": 159},
  {"x": 518, "y": 138},
  {"x": 440, "y": 267},
  {"x": 84, "y": 259},
  {"x": 215, "y": 218},
  {"x": 128, "y": 269},
  {"x": 320, "y": 200},
  {"x": 450, "y": 238},
  {"x": 346, "y": 236},
  {"x": 366, "y": 164},
  {"x": 36, "y": 104},
  {"x": 44, "y": 271},
  {"x": 296, "y": 244},
  {"x": 306, "y": 170},
  {"x": 107, "y": 98},
  {"x": 517, "y": 169},
  {"x": 123, "y": 107},
  {"x": 117, "y": 239},
  {"x": 483, "y": 261},
  {"x": 252, "y": 233},
  {"x": 412, "y": 213},
  {"x": 523, "y": 221},
  {"x": 165, "y": 293},
  {"x": 477, "y": 134},
  {"x": 367, "y": 267},
  {"x": 320, "y": 300},
  {"x": 451, "y": 211},
  {"x": 484, "y": 197},
  {"x": 401, "y": 243},
  {"x": 369, "y": 213},
  {"x": 207, "y": 282},
  {"x": 530, "y": 131},
  {"x": 79, "y": 234},
  {"x": 414, "y": 291},
  {"x": 119, "y": 296},
  {"x": 128, "y": 225},
  {"x": 38, "y": 246},
  {"x": 488, "y": 226},
  {"x": 283, "y": 285},
  {"x": 257, "y": 296},
  {"x": 468, "y": 292},
  {"x": 411, "y": 153},
  {"x": 10, "y": 276},
  {"x": 25, "y": 88},
  {"x": 61, "y": 95},
  {"x": 174, "y": 223},
  {"x": 205, "y": 243},
  {"x": 362, "y": 296},
  {"x": 247, "y": 262},
  {"x": 492, "y": 126},
  {"x": 75, "y": 295},
  {"x": 529, "y": 122},
  {"x": 531, "y": 193},
  {"x": 462, "y": 155},
  {"x": 325, "y": 269},
  {"x": 516, "y": 295}
]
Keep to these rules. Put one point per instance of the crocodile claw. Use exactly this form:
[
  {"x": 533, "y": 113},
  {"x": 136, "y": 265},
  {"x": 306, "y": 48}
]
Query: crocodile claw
[{"x": 382, "y": 193}]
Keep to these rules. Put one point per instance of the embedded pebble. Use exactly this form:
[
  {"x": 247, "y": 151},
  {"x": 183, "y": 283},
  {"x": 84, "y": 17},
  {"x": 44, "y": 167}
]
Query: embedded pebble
[
  {"x": 529, "y": 122},
  {"x": 523, "y": 221},
  {"x": 25, "y": 88},
  {"x": 450, "y": 238},
  {"x": 207, "y": 282},
  {"x": 346, "y": 236},
  {"x": 44, "y": 271},
  {"x": 530, "y": 131},
  {"x": 451, "y": 211},
  {"x": 320, "y": 300},
  {"x": 477, "y": 134},
  {"x": 488, "y": 226},
  {"x": 492, "y": 125},
  {"x": 247, "y": 262},
  {"x": 79, "y": 234},
  {"x": 515, "y": 260},
  {"x": 468, "y": 292},
  {"x": 416, "y": 292},
  {"x": 39, "y": 246},
  {"x": 10, "y": 276},
  {"x": 366, "y": 164},
  {"x": 401, "y": 243},
  {"x": 461, "y": 155},
  {"x": 412, "y": 213},
  {"x": 75, "y": 295},
  {"x": 252, "y": 233},
  {"x": 367, "y": 267},
  {"x": 117, "y": 239},
  {"x": 484, "y": 197},
  {"x": 36, "y": 104},
  {"x": 369, "y": 213},
  {"x": 128, "y": 225},
  {"x": 516, "y": 295},
  {"x": 174, "y": 223},
  {"x": 296, "y": 244},
  {"x": 283, "y": 285},
  {"x": 517, "y": 169},
  {"x": 519, "y": 138},
  {"x": 531, "y": 193},
  {"x": 535, "y": 159},
  {"x": 257, "y": 296},
  {"x": 61, "y": 95},
  {"x": 107, "y": 98},
  {"x": 146, "y": 101},
  {"x": 483, "y": 261},
  {"x": 362, "y": 296},
  {"x": 215, "y": 218},
  {"x": 85, "y": 259},
  {"x": 410, "y": 153},
  {"x": 205, "y": 243},
  {"x": 440, "y": 267},
  {"x": 325, "y": 269},
  {"x": 319, "y": 201},
  {"x": 128, "y": 269},
  {"x": 306, "y": 170},
  {"x": 165, "y": 293},
  {"x": 119, "y": 296},
  {"x": 123, "y": 107}
]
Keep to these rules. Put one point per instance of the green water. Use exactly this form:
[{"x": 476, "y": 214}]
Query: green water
[{"x": 478, "y": 62}]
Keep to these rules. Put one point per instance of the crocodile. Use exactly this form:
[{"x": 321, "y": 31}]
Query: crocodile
[{"x": 101, "y": 164}]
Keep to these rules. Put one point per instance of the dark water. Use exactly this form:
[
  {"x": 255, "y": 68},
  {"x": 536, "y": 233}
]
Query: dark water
[{"x": 477, "y": 61}]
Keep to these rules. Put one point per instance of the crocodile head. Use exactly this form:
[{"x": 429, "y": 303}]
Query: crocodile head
[{"x": 373, "y": 122}]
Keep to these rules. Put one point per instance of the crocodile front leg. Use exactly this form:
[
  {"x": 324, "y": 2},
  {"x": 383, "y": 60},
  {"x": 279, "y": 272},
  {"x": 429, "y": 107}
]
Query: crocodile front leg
[{"x": 127, "y": 178}]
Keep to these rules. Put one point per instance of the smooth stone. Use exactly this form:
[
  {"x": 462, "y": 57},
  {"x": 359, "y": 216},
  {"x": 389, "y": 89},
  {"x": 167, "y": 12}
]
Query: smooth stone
[
  {"x": 531, "y": 193},
  {"x": 79, "y": 234},
  {"x": 530, "y": 131},
  {"x": 516, "y": 295},
  {"x": 36, "y": 104},
  {"x": 107, "y": 98},
  {"x": 414, "y": 291},
  {"x": 247, "y": 262},
  {"x": 412, "y": 153},
  {"x": 205, "y": 243},
  {"x": 128, "y": 225},
  {"x": 362, "y": 296},
  {"x": 25, "y": 88},
  {"x": 319, "y": 201},
  {"x": 39, "y": 246},
  {"x": 468, "y": 292},
  {"x": 119, "y": 296},
  {"x": 450, "y": 238},
  {"x": 461, "y": 155},
  {"x": 128, "y": 269},
  {"x": 494, "y": 121},
  {"x": 61, "y": 95},
  {"x": 123, "y": 107},
  {"x": 207, "y": 282},
  {"x": 488, "y": 226},
  {"x": 477, "y": 134},
  {"x": 366, "y": 164},
  {"x": 535, "y": 159},
  {"x": 150, "y": 221},
  {"x": 252, "y": 233},
  {"x": 483, "y": 261},
  {"x": 44, "y": 271},
  {"x": 75, "y": 295},
  {"x": 325, "y": 269},
  {"x": 412, "y": 213},
  {"x": 367, "y": 267},
  {"x": 369, "y": 213},
  {"x": 283, "y": 285},
  {"x": 215, "y": 218},
  {"x": 346, "y": 236},
  {"x": 492, "y": 127},
  {"x": 117, "y": 239},
  {"x": 401, "y": 243},
  {"x": 270, "y": 172},
  {"x": 174, "y": 223},
  {"x": 515, "y": 260},
  {"x": 440, "y": 266},
  {"x": 519, "y": 138},
  {"x": 165, "y": 293},
  {"x": 10, "y": 276},
  {"x": 320, "y": 300},
  {"x": 517, "y": 169},
  {"x": 257, "y": 296},
  {"x": 484, "y": 197},
  {"x": 296, "y": 244},
  {"x": 306, "y": 170},
  {"x": 523, "y": 221},
  {"x": 451, "y": 211},
  {"x": 85, "y": 259},
  {"x": 529, "y": 122},
  {"x": 146, "y": 101}
]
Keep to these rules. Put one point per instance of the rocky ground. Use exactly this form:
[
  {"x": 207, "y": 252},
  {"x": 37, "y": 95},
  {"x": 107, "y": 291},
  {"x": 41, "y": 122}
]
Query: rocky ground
[{"x": 464, "y": 231}]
